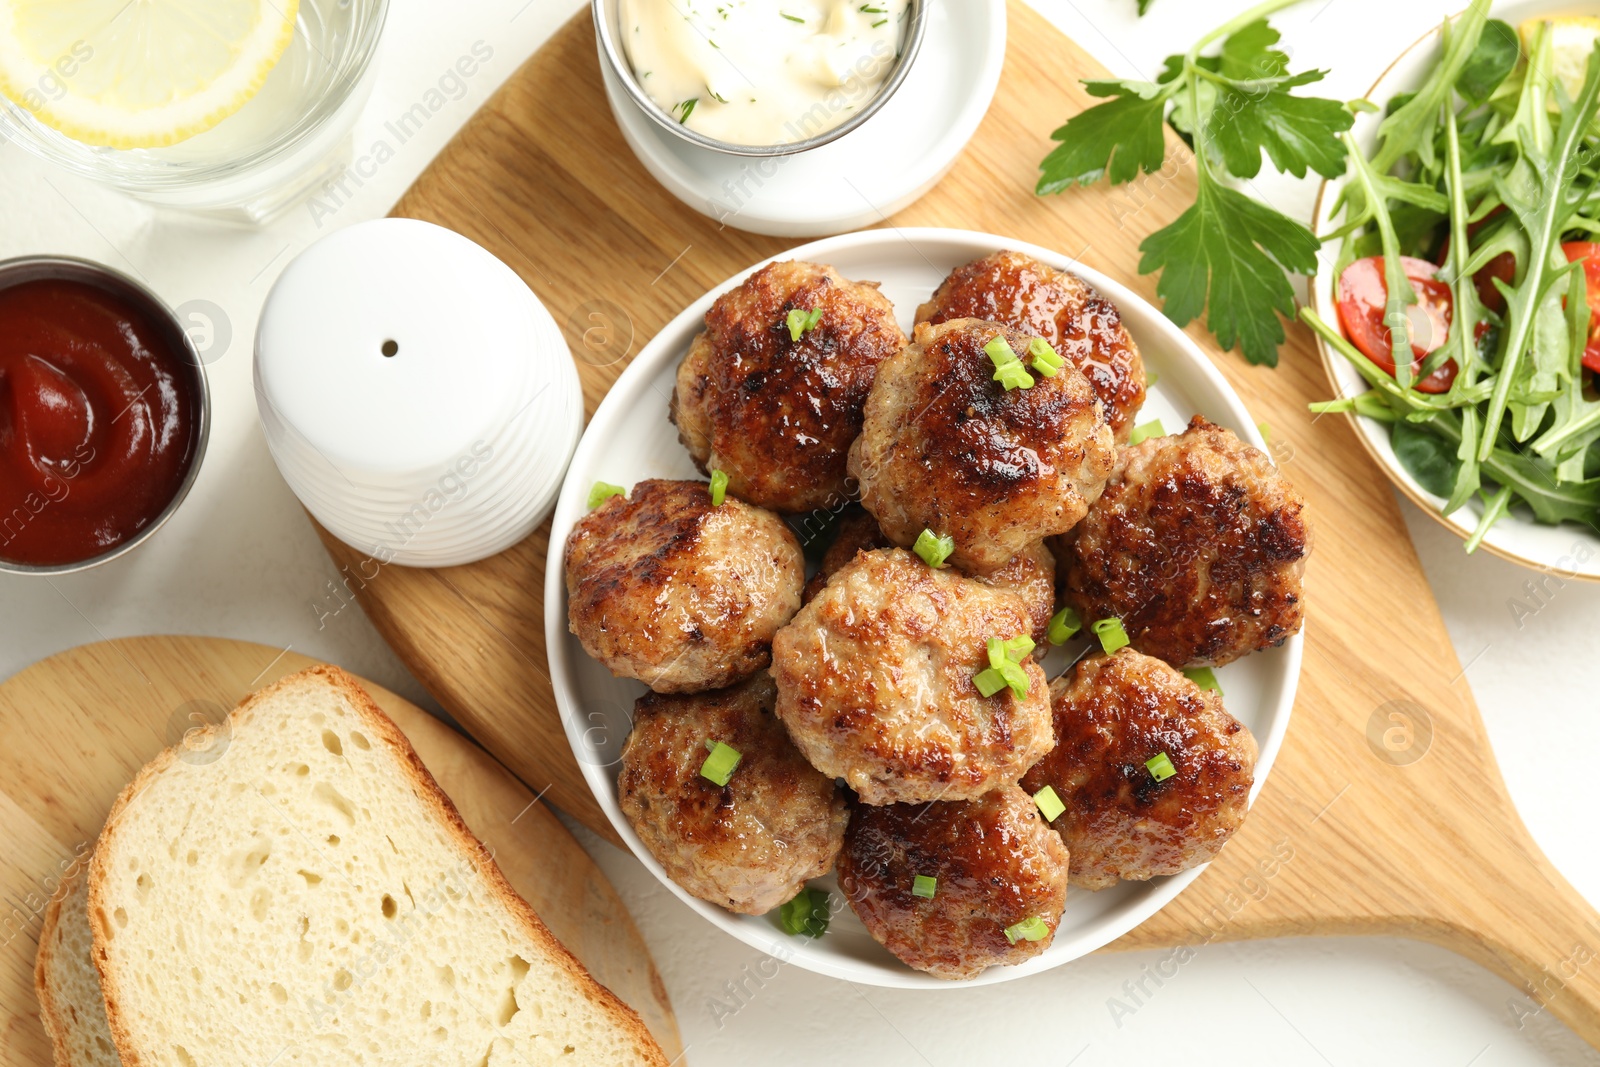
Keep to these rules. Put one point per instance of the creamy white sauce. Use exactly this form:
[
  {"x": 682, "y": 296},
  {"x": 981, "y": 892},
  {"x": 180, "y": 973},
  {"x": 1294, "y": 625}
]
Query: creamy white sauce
[{"x": 762, "y": 72}]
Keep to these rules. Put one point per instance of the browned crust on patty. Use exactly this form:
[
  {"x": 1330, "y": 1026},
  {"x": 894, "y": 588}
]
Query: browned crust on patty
[
  {"x": 996, "y": 862},
  {"x": 945, "y": 447},
  {"x": 683, "y": 595},
  {"x": 1112, "y": 714},
  {"x": 749, "y": 845},
  {"x": 778, "y": 414},
  {"x": 1198, "y": 545},
  {"x": 1037, "y": 299}
]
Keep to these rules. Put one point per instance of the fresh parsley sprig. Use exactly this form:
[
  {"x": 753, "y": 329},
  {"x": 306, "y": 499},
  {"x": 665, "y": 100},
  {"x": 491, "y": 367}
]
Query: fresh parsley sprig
[{"x": 1226, "y": 255}]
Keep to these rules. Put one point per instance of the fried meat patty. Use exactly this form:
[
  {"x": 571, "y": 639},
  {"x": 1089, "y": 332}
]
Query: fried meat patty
[
  {"x": 875, "y": 683},
  {"x": 996, "y": 863},
  {"x": 944, "y": 447},
  {"x": 683, "y": 596},
  {"x": 1083, "y": 326},
  {"x": 1198, "y": 545},
  {"x": 750, "y": 845},
  {"x": 1112, "y": 715},
  {"x": 776, "y": 412}
]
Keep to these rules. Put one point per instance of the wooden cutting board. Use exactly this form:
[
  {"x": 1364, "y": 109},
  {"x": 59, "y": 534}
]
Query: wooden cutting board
[
  {"x": 79, "y": 725},
  {"x": 1385, "y": 812}
]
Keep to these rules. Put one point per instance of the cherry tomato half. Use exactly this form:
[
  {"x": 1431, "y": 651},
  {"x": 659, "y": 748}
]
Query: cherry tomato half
[
  {"x": 1362, "y": 296},
  {"x": 1589, "y": 252}
]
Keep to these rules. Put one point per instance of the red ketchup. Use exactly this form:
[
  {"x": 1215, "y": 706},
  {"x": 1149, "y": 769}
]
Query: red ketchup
[{"x": 99, "y": 420}]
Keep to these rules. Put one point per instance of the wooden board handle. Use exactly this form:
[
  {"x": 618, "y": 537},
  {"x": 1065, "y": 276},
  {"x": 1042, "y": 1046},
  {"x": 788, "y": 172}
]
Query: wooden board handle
[{"x": 1529, "y": 926}]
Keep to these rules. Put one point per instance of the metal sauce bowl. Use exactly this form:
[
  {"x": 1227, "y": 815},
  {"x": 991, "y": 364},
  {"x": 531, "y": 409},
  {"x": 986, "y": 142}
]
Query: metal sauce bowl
[
  {"x": 67, "y": 268},
  {"x": 608, "y": 30}
]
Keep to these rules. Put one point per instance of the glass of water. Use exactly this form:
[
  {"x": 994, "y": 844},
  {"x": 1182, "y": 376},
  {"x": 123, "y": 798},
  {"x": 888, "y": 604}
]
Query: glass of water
[{"x": 292, "y": 135}]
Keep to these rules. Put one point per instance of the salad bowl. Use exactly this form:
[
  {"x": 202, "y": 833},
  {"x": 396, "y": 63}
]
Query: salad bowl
[{"x": 1570, "y": 549}]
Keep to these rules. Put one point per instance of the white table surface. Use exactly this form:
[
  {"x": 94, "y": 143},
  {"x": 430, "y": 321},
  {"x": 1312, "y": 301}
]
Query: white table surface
[{"x": 240, "y": 560}]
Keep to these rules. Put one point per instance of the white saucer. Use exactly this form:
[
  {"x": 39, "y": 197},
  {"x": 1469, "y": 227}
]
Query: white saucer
[{"x": 863, "y": 177}]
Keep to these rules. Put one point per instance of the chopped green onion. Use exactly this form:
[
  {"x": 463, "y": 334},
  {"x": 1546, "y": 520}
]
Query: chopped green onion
[
  {"x": 1003, "y": 670},
  {"x": 1032, "y": 928},
  {"x": 1050, "y": 805},
  {"x": 1046, "y": 360},
  {"x": 719, "y": 487},
  {"x": 799, "y": 320},
  {"x": 933, "y": 549},
  {"x": 1153, "y": 428},
  {"x": 989, "y": 681},
  {"x": 1018, "y": 648},
  {"x": 1013, "y": 376},
  {"x": 1017, "y": 679},
  {"x": 1008, "y": 369},
  {"x": 1266, "y": 434},
  {"x": 807, "y": 913},
  {"x": 924, "y": 886},
  {"x": 600, "y": 492},
  {"x": 1000, "y": 351},
  {"x": 1112, "y": 635},
  {"x": 719, "y": 765},
  {"x": 1204, "y": 677},
  {"x": 1160, "y": 767},
  {"x": 1063, "y": 624},
  {"x": 1151, "y": 380}
]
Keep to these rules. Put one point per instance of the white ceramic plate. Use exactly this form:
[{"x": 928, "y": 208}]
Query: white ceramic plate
[
  {"x": 1568, "y": 548},
  {"x": 630, "y": 439},
  {"x": 866, "y": 175}
]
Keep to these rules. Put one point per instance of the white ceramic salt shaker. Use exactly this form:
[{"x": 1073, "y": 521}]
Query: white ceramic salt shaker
[{"x": 415, "y": 394}]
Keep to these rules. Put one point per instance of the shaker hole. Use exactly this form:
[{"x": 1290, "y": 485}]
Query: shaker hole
[{"x": 390, "y": 347}]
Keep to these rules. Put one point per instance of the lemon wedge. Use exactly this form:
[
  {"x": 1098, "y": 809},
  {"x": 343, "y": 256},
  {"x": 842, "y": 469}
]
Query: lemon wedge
[
  {"x": 139, "y": 73},
  {"x": 1572, "y": 38}
]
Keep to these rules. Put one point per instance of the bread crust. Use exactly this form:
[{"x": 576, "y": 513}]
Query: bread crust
[
  {"x": 50, "y": 1012},
  {"x": 425, "y": 788}
]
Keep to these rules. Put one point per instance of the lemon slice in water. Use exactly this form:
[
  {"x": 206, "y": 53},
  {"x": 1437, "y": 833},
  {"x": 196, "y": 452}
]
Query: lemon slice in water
[{"x": 139, "y": 73}]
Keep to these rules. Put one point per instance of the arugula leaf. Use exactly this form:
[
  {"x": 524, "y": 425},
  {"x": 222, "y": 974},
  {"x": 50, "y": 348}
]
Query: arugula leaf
[
  {"x": 1238, "y": 250},
  {"x": 1532, "y": 480},
  {"x": 1577, "y": 419},
  {"x": 1549, "y": 177},
  {"x": 1410, "y": 127},
  {"x": 1368, "y": 197},
  {"x": 1124, "y": 136}
]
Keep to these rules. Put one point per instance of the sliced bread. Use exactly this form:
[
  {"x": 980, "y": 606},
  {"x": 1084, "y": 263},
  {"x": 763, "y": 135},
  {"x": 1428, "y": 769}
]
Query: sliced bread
[
  {"x": 70, "y": 1004},
  {"x": 310, "y": 896}
]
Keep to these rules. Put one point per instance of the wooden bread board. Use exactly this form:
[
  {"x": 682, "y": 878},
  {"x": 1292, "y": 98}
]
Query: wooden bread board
[
  {"x": 79, "y": 725},
  {"x": 1385, "y": 812}
]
